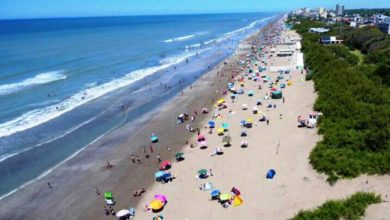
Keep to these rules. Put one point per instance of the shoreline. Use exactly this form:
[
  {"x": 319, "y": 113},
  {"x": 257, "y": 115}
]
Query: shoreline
[{"x": 72, "y": 162}]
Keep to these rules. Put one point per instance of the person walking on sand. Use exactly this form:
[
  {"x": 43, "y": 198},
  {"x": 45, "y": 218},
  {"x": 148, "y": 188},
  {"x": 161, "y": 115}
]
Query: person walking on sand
[
  {"x": 139, "y": 159},
  {"x": 267, "y": 121},
  {"x": 169, "y": 149},
  {"x": 284, "y": 99},
  {"x": 132, "y": 158},
  {"x": 151, "y": 149},
  {"x": 97, "y": 191},
  {"x": 49, "y": 185},
  {"x": 158, "y": 158}
]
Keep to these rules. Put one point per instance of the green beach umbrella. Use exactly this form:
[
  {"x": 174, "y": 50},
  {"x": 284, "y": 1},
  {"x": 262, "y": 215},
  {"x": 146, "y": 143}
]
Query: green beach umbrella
[
  {"x": 226, "y": 139},
  {"x": 202, "y": 172},
  {"x": 179, "y": 154},
  {"x": 108, "y": 195}
]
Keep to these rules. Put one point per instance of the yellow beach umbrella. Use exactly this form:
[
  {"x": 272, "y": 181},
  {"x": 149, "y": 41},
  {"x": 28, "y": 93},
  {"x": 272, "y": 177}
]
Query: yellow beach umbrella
[
  {"x": 220, "y": 101},
  {"x": 237, "y": 201},
  {"x": 156, "y": 204},
  {"x": 249, "y": 120},
  {"x": 289, "y": 83},
  {"x": 225, "y": 196},
  {"x": 220, "y": 131}
]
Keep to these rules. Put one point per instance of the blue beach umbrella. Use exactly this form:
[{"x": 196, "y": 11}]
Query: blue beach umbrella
[
  {"x": 215, "y": 192},
  {"x": 211, "y": 124},
  {"x": 159, "y": 174}
]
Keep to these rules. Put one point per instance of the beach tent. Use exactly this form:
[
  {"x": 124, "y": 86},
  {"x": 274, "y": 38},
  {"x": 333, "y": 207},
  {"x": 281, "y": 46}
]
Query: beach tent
[
  {"x": 244, "y": 107},
  {"x": 277, "y": 94},
  {"x": 250, "y": 93},
  {"x": 211, "y": 124},
  {"x": 270, "y": 174},
  {"x": 156, "y": 205}
]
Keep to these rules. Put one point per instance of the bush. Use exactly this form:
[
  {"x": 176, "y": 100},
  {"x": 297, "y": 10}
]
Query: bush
[{"x": 349, "y": 209}]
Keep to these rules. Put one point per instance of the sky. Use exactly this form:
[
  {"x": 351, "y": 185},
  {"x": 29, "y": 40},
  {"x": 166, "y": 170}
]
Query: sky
[{"x": 16, "y": 9}]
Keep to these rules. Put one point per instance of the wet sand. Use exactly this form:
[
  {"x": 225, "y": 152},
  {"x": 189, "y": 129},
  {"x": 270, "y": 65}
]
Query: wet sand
[{"x": 73, "y": 194}]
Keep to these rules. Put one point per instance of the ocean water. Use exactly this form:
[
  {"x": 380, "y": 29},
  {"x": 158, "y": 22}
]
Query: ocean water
[{"x": 66, "y": 82}]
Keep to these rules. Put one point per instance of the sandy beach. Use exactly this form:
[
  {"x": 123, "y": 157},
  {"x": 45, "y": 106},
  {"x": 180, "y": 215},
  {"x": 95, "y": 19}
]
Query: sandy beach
[{"x": 280, "y": 145}]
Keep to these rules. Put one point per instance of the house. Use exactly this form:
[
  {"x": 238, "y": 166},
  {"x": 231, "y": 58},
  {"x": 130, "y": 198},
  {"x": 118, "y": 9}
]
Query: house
[
  {"x": 385, "y": 26},
  {"x": 330, "y": 40}
]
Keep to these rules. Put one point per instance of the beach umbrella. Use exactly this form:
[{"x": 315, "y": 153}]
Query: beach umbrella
[
  {"x": 160, "y": 174},
  {"x": 162, "y": 198},
  {"x": 122, "y": 213},
  {"x": 240, "y": 91},
  {"x": 154, "y": 139},
  {"x": 108, "y": 195},
  {"x": 249, "y": 120},
  {"x": 220, "y": 131},
  {"x": 215, "y": 192},
  {"x": 226, "y": 139},
  {"x": 165, "y": 165},
  {"x": 202, "y": 172},
  {"x": 179, "y": 155},
  {"x": 156, "y": 205},
  {"x": 225, "y": 126},
  {"x": 237, "y": 201},
  {"x": 203, "y": 144},
  {"x": 159, "y": 217},
  {"x": 225, "y": 196},
  {"x": 220, "y": 101},
  {"x": 250, "y": 93},
  {"x": 201, "y": 137},
  {"x": 211, "y": 124}
]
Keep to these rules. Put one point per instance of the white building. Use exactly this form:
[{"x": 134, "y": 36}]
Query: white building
[{"x": 385, "y": 26}]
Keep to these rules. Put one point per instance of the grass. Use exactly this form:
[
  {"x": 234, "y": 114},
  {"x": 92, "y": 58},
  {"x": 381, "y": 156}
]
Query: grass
[{"x": 351, "y": 208}]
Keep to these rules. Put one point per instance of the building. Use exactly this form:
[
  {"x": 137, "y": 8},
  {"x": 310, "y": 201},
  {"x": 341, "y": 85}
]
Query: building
[
  {"x": 385, "y": 26},
  {"x": 318, "y": 30},
  {"x": 330, "y": 40},
  {"x": 339, "y": 10}
]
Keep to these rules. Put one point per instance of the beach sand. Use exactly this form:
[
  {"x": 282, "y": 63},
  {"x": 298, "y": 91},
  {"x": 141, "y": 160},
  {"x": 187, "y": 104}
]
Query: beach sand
[{"x": 280, "y": 146}]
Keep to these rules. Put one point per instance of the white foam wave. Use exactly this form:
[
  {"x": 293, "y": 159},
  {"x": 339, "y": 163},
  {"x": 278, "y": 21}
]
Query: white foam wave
[
  {"x": 39, "y": 79},
  {"x": 179, "y": 38},
  {"x": 40, "y": 116}
]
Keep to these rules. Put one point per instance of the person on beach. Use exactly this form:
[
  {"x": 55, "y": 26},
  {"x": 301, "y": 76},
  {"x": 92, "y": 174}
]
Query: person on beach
[
  {"x": 49, "y": 185},
  {"x": 284, "y": 99},
  {"x": 106, "y": 211},
  {"x": 132, "y": 158},
  {"x": 158, "y": 158},
  {"x": 97, "y": 191},
  {"x": 109, "y": 165},
  {"x": 151, "y": 149},
  {"x": 267, "y": 121},
  {"x": 139, "y": 159},
  {"x": 145, "y": 150},
  {"x": 169, "y": 149}
]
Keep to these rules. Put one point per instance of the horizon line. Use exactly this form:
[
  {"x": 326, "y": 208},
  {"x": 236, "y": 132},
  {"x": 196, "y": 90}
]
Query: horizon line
[{"x": 140, "y": 15}]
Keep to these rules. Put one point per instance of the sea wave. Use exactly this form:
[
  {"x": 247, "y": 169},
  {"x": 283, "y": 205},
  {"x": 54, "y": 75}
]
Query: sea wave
[
  {"x": 42, "y": 78},
  {"x": 182, "y": 38},
  {"x": 39, "y": 116}
]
